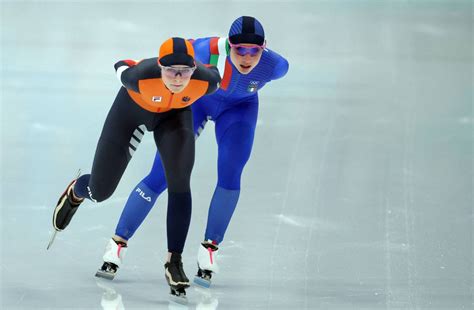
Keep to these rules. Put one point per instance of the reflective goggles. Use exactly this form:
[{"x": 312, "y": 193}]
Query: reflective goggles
[
  {"x": 243, "y": 50},
  {"x": 172, "y": 72}
]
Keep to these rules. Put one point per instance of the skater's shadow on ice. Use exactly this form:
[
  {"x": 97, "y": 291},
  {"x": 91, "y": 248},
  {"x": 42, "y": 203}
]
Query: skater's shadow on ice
[
  {"x": 111, "y": 299},
  {"x": 206, "y": 298}
]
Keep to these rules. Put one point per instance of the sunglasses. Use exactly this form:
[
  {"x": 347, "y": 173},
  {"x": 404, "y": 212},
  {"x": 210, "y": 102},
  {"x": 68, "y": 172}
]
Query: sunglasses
[
  {"x": 172, "y": 72},
  {"x": 243, "y": 50}
]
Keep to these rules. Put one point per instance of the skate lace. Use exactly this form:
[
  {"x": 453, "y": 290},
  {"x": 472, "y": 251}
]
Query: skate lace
[
  {"x": 210, "y": 254},
  {"x": 119, "y": 249}
]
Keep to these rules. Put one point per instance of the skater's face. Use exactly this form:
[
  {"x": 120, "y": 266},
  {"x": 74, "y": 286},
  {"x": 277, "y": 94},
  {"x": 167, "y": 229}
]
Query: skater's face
[
  {"x": 245, "y": 57},
  {"x": 176, "y": 77}
]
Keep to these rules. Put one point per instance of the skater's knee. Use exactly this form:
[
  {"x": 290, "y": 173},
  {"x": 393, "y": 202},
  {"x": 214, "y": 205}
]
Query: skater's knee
[
  {"x": 229, "y": 176},
  {"x": 100, "y": 197},
  {"x": 178, "y": 160},
  {"x": 178, "y": 174},
  {"x": 235, "y": 145},
  {"x": 239, "y": 134},
  {"x": 92, "y": 190},
  {"x": 229, "y": 183},
  {"x": 156, "y": 181},
  {"x": 99, "y": 194},
  {"x": 179, "y": 184}
]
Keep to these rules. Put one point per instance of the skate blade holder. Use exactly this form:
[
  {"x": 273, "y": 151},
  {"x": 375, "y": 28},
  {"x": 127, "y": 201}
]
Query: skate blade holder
[
  {"x": 107, "y": 271},
  {"x": 105, "y": 275},
  {"x": 178, "y": 296},
  {"x": 202, "y": 282}
]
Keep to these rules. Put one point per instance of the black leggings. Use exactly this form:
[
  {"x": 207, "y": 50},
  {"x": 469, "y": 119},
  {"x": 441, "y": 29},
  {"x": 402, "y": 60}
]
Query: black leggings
[{"x": 122, "y": 132}]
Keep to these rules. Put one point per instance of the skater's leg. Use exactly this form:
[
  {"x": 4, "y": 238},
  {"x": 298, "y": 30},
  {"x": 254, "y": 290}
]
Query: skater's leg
[
  {"x": 141, "y": 201},
  {"x": 174, "y": 138},
  {"x": 109, "y": 165},
  {"x": 144, "y": 195},
  {"x": 115, "y": 148},
  {"x": 235, "y": 130}
]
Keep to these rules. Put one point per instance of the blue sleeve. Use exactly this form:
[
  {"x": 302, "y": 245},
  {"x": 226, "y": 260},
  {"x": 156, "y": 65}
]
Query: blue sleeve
[
  {"x": 280, "y": 68},
  {"x": 202, "y": 51}
]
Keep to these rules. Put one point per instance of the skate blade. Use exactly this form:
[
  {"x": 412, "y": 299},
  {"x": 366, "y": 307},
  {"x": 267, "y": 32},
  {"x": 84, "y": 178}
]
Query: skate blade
[
  {"x": 52, "y": 239},
  {"x": 104, "y": 275},
  {"x": 180, "y": 300},
  {"x": 202, "y": 282}
]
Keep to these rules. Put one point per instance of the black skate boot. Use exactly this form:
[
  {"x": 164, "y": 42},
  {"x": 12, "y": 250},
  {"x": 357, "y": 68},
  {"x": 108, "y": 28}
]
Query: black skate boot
[
  {"x": 64, "y": 211},
  {"x": 65, "y": 208},
  {"x": 176, "y": 277}
]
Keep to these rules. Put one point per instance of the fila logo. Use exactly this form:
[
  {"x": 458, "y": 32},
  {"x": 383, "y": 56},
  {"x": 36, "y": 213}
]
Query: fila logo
[
  {"x": 156, "y": 98},
  {"x": 142, "y": 194}
]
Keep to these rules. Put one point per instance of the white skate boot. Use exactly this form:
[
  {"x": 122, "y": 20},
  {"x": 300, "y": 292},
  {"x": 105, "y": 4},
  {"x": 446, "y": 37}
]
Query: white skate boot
[
  {"x": 113, "y": 258},
  {"x": 207, "y": 263}
]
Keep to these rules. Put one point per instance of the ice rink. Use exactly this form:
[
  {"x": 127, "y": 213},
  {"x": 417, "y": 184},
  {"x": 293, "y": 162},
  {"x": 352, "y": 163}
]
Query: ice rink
[{"x": 358, "y": 194}]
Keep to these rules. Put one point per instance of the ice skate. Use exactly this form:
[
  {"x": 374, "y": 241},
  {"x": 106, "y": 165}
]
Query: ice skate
[
  {"x": 207, "y": 263},
  {"x": 176, "y": 279},
  {"x": 64, "y": 210},
  {"x": 113, "y": 258}
]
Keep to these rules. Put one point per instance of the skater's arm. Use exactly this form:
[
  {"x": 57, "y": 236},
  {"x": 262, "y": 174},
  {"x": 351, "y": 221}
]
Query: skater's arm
[
  {"x": 281, "y": 66},
  {"x": 126, "y": 75},
  {"x": 202, "y": 50},
  {"x": 210, "y": 74}
]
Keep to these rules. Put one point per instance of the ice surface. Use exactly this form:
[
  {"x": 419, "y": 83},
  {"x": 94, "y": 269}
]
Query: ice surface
[{"x": 358, "y": 194}]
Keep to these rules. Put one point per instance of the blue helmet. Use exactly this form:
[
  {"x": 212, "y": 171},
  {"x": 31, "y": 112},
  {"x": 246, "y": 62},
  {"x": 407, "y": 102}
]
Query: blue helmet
[{"x": 246, "y": 29}]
